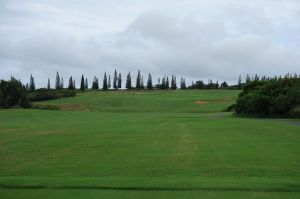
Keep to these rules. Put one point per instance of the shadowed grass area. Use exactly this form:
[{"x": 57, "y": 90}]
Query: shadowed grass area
[{"x": 132, "y": 152}]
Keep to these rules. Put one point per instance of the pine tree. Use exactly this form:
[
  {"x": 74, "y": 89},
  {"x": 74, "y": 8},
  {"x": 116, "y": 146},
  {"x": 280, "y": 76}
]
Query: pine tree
[
  {"x": 57, "y": 81},
  {"x": 48, "y": 85},
  {"x": 217, "y": 85},
  {"x": 109, "y": 82},
  {"x": 105, "y": 86},
  {"x": 95, "y": 84},
  {"x": 120, "y": 81},
  {"x": 138, "y": 80},
  {"x": 167, "y": 83},
  {"x": 173, "y": 83},
  {"x": 248, "y": 78},
  {"x": 32, "y": 83},
  {"x": 182, "y": 83},
  {"x": 71, "y": 86},
  {"x": 142, "y": 83},
  {"x": 149, "y": 82},
  {"x": 86, "y": 84},
  {"x": 128, "y": 81},
  {"x": 224, "y": 85},
  {"x": 82, "y": 83},
  {"x": 163, "y": 83},
  {"x": 240, "y": 82},
  {"x": 115, "y": 80}
]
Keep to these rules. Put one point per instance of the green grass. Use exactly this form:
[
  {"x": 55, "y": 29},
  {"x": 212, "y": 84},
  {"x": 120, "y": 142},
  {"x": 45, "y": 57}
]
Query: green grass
[
  {"x": 145, "y": 145},
  {"x": 151, "y": 101}
]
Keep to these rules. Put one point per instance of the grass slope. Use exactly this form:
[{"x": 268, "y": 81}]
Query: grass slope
[{"x": 147, "y": 144}]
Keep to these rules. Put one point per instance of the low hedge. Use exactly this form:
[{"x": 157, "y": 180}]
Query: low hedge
[{"x": 49, "y": 94}]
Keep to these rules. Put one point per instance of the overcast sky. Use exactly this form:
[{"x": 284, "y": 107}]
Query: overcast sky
[{"x": 196, "y": 39}]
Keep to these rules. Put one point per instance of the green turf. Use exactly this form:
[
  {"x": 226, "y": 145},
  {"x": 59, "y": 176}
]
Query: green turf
[
  {"x": 151, "y": 101},
  {"x": 147, "y": 144}
]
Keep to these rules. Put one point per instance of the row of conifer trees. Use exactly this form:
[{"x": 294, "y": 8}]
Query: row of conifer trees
[
  {"x": 115, "y": 83},
  {"x": 162, "y": 83}
]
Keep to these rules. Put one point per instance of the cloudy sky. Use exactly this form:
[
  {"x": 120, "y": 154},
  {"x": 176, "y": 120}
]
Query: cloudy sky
[{"x": 197, "y": 39}]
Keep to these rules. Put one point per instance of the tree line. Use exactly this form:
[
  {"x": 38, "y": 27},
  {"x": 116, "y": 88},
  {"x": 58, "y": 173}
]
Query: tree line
[
  {"x": 116, "y": 83},
  {"x": 260, "y": 95}
]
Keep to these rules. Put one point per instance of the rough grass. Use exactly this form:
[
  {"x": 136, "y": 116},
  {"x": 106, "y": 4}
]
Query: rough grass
[{"x": 130, "y": 146}]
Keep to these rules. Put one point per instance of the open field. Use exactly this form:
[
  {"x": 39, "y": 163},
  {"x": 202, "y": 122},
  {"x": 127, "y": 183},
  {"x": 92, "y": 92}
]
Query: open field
[{"x": 175, "y": 144}]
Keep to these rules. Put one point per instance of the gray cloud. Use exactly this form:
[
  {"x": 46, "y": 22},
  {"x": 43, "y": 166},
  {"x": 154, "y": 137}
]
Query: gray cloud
[{"x": 196, "y": 39}]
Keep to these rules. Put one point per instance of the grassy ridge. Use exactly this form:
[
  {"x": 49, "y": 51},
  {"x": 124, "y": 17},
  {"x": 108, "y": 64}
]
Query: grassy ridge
[
  {"x": 130, "y": 142},
  {"x": 149, "y": 101}
]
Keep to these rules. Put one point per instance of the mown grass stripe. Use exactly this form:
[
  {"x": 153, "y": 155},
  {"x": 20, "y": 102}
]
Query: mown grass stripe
[{"x": 136, "y": 188}]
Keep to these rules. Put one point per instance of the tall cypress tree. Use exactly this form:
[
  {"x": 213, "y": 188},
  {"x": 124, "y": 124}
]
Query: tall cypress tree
[
  {"x": 142, "y": 82},
  {"x": 138, "y": 80},
  {"x": 109, "y": 82},
  {"x": 82, "y": 83},
  {"x": 173, "y": 83},
  {"x": 163, "y": 83},
  {"x": 48, "y": 85},
  {"x": 182, "y": 83},
  {"x": 86, "y": 84},
  {"x": 95, "y": 84},
  {"x": 248, "y": 78},
  {"x": 105, "y": 86},
  {"x": 128, "y": 81},
  {"x": 57, "y": 81},
  {"x": 167, "y": 83},
  {"x": 32, "y": 83},
  {"x": 120, "y": 81},
  {"x": 115, "y": 80},
  {"x": 240, "y": 82},
  {"x": 71, "y": 86},
  {"x": 149, "y": 82}
]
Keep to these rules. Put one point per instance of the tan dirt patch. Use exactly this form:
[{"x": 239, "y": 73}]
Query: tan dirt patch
[
  {"x": 201, "y": 102},
  {"x": 73, "y": 107}
]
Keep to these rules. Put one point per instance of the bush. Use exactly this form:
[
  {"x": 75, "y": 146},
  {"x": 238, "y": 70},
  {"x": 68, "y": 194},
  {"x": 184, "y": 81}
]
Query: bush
[
  {"x": 275, "y": 98},
  {"x": 13, "y": 94},
  {"x": 48, "y": 94}
]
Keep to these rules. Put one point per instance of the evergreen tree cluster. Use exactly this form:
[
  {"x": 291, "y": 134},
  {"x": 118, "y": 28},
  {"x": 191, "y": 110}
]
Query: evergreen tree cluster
[
  {"x": 270, "y": 97},
  {"x": 13, "y": 93}
]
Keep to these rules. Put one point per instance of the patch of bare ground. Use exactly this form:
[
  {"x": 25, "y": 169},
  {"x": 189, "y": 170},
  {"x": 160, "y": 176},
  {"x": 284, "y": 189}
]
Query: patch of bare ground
[
  {"x": 73, "y": 107},
  {"x": 201, "y": 102},
  {"x": 224, "y": 99}
]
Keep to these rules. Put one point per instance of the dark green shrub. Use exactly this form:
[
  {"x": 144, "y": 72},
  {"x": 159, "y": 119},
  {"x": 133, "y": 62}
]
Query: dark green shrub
[
  {"x": 48, "y": 94},
  {"x": 13, "y": 94},
  {"x": 275, "y": 98}
]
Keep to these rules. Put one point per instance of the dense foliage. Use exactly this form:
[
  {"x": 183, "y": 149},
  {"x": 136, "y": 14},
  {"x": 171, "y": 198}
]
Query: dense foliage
[
  {"x": 48, "y": 94},
  {"x": 269, "y": 98},
  {"x": 12, "y": 94}
]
